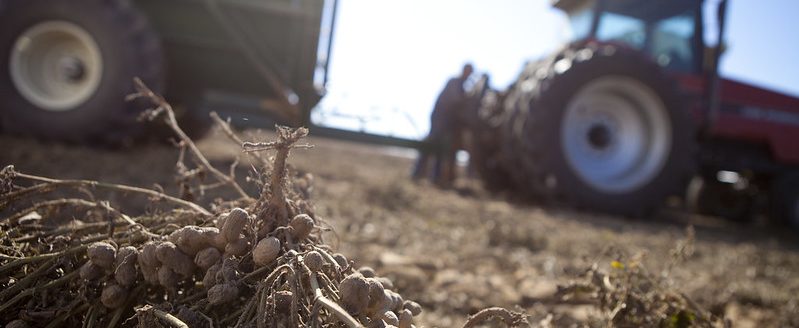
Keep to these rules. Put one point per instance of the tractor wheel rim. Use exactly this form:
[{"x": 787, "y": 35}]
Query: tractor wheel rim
[
  {"x": 56, "y": 65},
  {"x": 616, "y": 134}
]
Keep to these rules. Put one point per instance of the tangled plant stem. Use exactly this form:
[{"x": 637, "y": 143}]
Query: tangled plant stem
[
  {"x": 142, "y": 91},
  {"x": 28, "y": 292},
  {"x": 49, "y": 184},
  {"x": 225, "y": 125},
  {"x": 41, "y": 257},
  {"x": 332, "y": 306},
  {"x": 169, "y": 319},
  {"x": 287, "y": 138}
]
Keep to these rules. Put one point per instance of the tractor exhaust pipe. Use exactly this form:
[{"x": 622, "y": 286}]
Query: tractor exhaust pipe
[{"x": 715, "y": 81}]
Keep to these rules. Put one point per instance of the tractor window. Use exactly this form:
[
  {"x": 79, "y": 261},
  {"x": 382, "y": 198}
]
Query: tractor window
[
  {"x": 671, "y": 45},
  {"x": 581, "y": 23},
  {"x": 616, "y": 27}
]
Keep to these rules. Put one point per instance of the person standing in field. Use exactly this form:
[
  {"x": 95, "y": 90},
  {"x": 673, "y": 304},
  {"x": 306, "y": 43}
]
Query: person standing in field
[{"x": 443, "y": 140}]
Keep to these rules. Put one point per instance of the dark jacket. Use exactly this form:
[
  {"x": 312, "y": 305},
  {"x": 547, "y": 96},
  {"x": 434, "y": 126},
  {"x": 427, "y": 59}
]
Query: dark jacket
[{"x": 444, "y": 116}]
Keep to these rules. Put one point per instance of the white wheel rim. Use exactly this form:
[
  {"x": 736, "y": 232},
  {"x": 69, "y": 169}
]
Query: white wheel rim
[
  {"x": 56, "y": 65},
  {"x": 616, "y": 134}
]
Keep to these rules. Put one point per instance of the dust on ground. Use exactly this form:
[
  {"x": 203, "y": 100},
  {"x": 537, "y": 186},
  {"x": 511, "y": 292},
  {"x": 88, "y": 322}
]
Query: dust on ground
[{"x": 460, "y": 250}]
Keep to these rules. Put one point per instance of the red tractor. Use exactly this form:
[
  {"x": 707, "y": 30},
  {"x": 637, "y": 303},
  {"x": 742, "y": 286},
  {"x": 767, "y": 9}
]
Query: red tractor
[{"x": 624, "y": 117}]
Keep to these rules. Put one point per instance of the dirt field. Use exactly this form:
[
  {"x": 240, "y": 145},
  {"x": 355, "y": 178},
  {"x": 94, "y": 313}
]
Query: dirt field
[{"x": 457, "y": 251}]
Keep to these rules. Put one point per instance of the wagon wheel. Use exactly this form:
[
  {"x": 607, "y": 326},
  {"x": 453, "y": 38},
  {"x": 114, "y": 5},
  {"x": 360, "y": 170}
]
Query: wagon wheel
[{"x": 67, "y": 66}]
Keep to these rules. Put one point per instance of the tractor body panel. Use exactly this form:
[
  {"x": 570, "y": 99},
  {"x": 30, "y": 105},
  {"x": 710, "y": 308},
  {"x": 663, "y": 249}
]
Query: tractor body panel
[
  {"x": 750, "y": 113},
  {"x": 267, "y": 49}
]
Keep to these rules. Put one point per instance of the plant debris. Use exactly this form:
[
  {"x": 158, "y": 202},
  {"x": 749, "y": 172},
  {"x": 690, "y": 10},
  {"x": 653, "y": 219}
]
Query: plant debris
[{"x": 250, "y": 261}]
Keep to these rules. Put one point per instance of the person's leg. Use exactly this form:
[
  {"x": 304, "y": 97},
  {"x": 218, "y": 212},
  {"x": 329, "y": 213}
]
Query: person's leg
[
  {"x": 469, "y": 146},
  {"x": 437, "y": 160},
  {"x": 453, "y": 144},
  {"x": 445, "y": 163},
  {"x": 437, "y": 167},
  {"x": 421, "y": 168}
]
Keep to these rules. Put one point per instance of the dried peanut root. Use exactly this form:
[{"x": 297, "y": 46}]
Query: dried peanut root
[{"x": 250, "y": 262}]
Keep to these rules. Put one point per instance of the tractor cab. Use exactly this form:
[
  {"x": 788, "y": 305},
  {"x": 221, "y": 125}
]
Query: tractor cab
[{"x": 670, "y": 32}]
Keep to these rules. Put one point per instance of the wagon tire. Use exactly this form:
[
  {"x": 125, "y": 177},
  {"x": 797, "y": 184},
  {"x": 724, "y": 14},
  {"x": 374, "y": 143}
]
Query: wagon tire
[{"x": 66, "y": 68}]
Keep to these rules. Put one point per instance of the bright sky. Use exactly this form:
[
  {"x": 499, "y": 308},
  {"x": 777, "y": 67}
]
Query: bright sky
[{"x": 391, "y": 58}]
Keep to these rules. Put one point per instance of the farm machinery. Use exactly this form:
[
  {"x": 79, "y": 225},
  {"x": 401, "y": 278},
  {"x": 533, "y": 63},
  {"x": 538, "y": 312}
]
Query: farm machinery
[
  {"x": 66, "y": 66},
  {"x": 631, "y": 110}
]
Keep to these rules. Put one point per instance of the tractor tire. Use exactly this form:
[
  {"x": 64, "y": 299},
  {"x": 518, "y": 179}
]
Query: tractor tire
[
  {"x": 191, "y": 114},
  {"x": 785, "y": 199},
  {"x": 601, "y": 128},
  {"x": 485, "y": 152},
  {"x": 67, "y": 66},
  {"x": 516, "y": 106},
  {"x": 195, "y": 120}
]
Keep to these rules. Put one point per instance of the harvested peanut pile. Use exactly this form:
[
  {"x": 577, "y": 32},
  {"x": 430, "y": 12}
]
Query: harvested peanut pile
[
  {"x": 249, "y": 266},
  {"x": 245, "y": 262}
]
